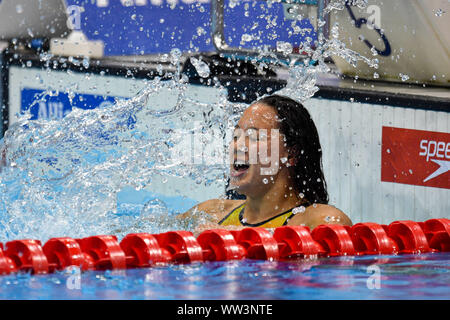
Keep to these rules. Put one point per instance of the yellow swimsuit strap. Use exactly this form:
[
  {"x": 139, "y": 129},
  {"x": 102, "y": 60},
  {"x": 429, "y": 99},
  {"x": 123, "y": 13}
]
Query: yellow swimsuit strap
[{"x": 235, "y": 218}]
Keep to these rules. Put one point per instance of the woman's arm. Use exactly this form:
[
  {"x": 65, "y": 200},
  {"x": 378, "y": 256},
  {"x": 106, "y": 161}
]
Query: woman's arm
[
  {"x": 216, "y": 210},
  {"x": 320, "y": 214},
  {"x": 210, "y": 207}
]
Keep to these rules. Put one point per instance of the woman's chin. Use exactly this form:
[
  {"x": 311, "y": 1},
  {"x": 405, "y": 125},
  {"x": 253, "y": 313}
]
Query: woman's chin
[
  {"x": 242, "y": 186},
  {"x": 238, "y": 184}
]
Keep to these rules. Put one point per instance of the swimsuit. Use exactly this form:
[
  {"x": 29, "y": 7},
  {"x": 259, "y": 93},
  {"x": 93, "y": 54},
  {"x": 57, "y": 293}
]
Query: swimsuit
[{"x": 236, "y": 218}]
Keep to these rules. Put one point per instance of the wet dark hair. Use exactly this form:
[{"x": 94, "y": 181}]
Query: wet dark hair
[{"x": 302, "y": 141}]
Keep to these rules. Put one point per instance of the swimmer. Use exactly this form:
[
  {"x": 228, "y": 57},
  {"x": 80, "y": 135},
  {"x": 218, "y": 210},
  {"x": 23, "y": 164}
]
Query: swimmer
[{"x": 284, "y": 183}]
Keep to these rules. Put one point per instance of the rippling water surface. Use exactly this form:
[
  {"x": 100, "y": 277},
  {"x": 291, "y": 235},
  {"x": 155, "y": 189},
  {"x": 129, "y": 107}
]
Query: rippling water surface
[{"x": 425, "y": 276}]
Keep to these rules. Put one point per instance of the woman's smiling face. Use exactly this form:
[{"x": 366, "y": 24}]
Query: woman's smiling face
[{"x": 257, "y": 151}]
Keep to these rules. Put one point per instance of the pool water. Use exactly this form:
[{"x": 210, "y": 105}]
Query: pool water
[{"x": 421, "y": 276}]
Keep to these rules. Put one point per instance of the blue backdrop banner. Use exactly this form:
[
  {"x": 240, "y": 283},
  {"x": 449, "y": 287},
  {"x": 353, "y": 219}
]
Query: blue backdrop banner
[{"x": 140, "y": 27}]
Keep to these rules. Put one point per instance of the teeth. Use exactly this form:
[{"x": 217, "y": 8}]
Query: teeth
[{"x": 240, "y": 165}]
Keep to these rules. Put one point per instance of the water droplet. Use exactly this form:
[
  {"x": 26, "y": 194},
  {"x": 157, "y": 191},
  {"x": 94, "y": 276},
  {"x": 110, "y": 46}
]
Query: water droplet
[
  {"x": 200, "y": 31},
  {"x": 374, "y": 51},
  {"x": 404, "y": 77},
  {"x": 175, "y": 55},
  {"x": 201, "y": 67},
  {"x": 233, "y": 3},
  {"x": 86, "y": 62},
  {"x": 297, "y": 210},
  {"x": 246, "y": 37},
  {"x": 284, "y": 47},
  {"x": 439, "y": 12}
]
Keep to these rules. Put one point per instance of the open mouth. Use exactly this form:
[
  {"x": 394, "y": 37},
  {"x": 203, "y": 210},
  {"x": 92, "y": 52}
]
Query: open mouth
[{"x": 239, "y": 168}]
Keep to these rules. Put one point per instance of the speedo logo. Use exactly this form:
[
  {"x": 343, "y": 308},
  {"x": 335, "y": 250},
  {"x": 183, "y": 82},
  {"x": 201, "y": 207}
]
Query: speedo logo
[
  {"x": 415, "y": 157},
  {"x": 437, "y": 152}
]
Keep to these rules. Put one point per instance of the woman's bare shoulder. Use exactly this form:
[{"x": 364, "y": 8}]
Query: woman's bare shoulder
[
  {"x": 218, "y": 205},
  {"x": 215, "y": 207},
  {"x": 318, "y": 214}
]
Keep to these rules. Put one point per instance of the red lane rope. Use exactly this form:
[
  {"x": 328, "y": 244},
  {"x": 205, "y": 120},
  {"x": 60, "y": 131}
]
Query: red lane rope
[{"x": 141, "y": 250}]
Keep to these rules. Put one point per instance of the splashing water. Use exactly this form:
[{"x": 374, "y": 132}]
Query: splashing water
[{"x": 63, "y": 177}]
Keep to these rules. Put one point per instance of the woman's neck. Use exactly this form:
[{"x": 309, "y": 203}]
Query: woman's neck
[{"x": 275, "y": 201}]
